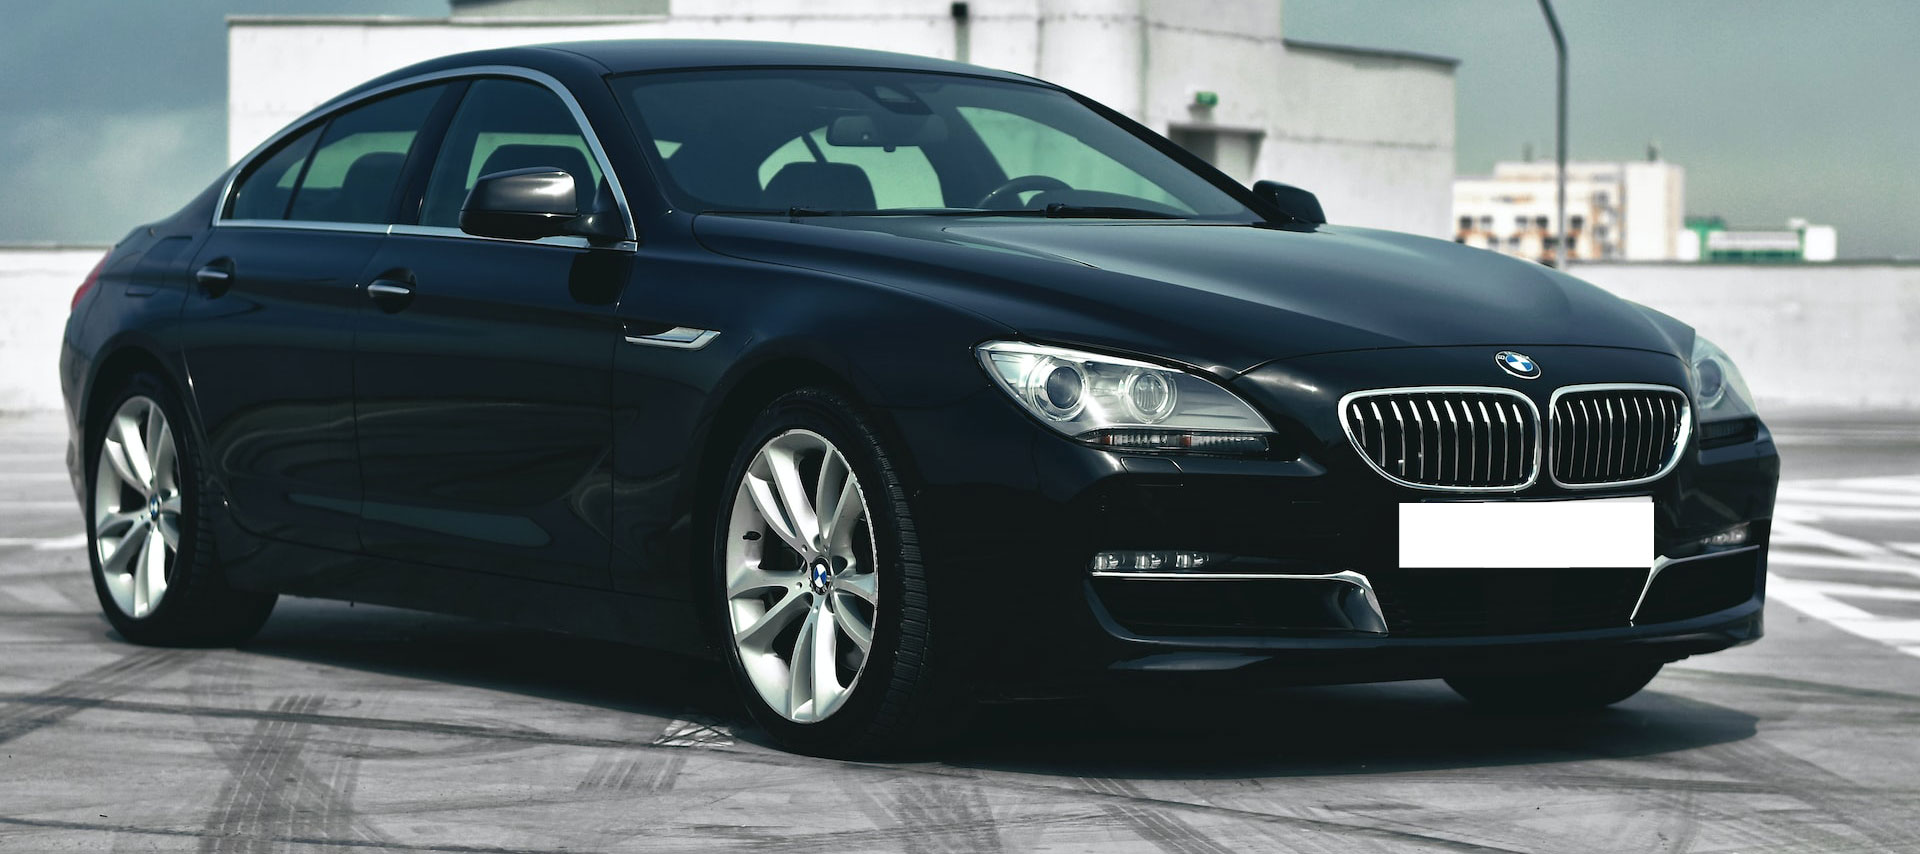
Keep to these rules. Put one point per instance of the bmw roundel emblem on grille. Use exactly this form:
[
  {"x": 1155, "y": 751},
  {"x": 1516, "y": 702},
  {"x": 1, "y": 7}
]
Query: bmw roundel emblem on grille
[{"x": 1518, "y": 364}]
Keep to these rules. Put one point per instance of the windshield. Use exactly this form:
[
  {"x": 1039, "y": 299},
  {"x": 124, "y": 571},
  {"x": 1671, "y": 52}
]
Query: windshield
[{"x": 782, "y": 140}]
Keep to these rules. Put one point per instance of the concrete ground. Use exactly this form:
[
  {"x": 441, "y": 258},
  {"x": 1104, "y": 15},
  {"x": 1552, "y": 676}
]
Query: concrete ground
[{"x": 367, "y": 728}]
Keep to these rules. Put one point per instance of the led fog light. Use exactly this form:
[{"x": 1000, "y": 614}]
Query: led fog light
[
  {"x": 1154, "y": 561},
  {"x": 1730, "y": 537}
]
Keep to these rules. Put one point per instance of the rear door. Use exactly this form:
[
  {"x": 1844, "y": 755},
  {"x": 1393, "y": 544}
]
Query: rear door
[
  {"x": 268, "y": 336},
  {"x": 483, "y": 370}
]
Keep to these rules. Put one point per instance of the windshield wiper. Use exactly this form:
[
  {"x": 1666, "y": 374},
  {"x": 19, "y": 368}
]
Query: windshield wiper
[{"x": 1061, "y": 209}]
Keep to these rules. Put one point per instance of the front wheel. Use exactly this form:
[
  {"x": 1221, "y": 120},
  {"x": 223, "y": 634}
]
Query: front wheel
[
  {"x": 824, "y": 599},
  {"x": 1573, "y": 690}
]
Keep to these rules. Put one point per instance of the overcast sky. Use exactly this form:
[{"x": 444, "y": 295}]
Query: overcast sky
[
  {"x": 113, "y": 112},
  {"x": 1776, "y": 108}
]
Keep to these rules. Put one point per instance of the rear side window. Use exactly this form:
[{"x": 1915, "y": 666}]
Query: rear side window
[
  {"x": 503, "y": 125},
  {"x": 355, "y": 171},
  {"x": 268, "y": 186}
]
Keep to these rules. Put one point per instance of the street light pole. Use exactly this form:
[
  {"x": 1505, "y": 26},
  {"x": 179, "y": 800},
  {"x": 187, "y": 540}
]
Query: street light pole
[{"x": 1559, "y": 128}]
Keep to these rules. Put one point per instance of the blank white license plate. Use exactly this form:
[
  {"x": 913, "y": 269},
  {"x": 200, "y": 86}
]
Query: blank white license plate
[{"x": 1603, "y": 532}]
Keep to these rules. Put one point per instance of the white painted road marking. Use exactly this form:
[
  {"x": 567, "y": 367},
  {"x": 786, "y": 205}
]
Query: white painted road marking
[
  {"x": 46, "y": 544},
  {"x": 1800, "y": 543}
]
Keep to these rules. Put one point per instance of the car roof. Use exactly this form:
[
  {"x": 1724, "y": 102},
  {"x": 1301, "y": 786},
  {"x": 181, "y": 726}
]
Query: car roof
[
  {"x": 623, "y": 56},
  {"x": 627, "y": 55}
]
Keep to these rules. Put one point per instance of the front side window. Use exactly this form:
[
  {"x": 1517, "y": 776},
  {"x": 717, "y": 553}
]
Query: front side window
[
  {"x": 854, "y": 140},
  {"x": 502, "y": 125},
  {"x": 354, "y": 174}
]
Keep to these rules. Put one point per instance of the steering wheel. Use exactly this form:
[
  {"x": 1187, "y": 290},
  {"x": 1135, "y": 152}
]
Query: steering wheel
[{"x": 1007, "y": 195}]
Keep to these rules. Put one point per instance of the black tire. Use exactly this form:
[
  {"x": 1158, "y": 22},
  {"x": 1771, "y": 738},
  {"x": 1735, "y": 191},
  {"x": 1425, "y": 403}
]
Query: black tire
[
  {"x": 901, "y": 700},
  {"x": 199, "y": 608},
  {"x": 1575, "y": 690}
]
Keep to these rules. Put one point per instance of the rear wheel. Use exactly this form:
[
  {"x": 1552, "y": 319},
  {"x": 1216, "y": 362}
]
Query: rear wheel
[
  {"x": 823, "y": 596},
  {"x": 153, "y": 560},
  {"x": 1558, "y": 691}
]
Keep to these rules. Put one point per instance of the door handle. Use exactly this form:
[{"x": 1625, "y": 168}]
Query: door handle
[
  {"x": 390, "y": 294},
  {"x": 215, "y": 278}
]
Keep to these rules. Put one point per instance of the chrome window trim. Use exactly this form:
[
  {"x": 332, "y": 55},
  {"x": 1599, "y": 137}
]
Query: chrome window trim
[
  {"x": 473, "y": 71},
  {"x": 1675, "y": 452},
  {"x": 1346, "y": 576},
  {"x": 1662, "y": 562},
  {"x": 1539, "y": 435},
  {"x": 306, "y": 225},
  {"x": 564, "y": 240}
]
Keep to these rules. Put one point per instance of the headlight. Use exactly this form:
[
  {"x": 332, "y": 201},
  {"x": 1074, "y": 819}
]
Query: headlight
[
  {"x": 1124, "y": 404},
  {"x": 1726, "y": 416},
  {"x": 1722, "y": 392}
]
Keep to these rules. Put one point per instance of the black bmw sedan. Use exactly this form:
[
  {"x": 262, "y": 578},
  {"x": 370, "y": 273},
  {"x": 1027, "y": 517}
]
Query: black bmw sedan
[{"x": 898, "y": 385}]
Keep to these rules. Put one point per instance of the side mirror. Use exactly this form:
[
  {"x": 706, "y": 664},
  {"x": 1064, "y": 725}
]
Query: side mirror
[
  {"x": 1292, "y": 201},
  {"x": 531, "y": 203}
]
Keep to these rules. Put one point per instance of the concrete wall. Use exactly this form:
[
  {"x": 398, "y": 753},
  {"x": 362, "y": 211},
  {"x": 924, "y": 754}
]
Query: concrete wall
[
  {"x": 1825, "y": 336},
  {"x": 1370, "y": 132},
  {"x": 36, "y": 287}
]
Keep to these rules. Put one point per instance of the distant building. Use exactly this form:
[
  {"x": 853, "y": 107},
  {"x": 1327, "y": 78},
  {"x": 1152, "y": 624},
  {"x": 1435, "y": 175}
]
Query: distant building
[
  {"x": 1371, "y": 132},
  {"x": 1624, "y": 211},
  {"x": 1708, "y": 239}
]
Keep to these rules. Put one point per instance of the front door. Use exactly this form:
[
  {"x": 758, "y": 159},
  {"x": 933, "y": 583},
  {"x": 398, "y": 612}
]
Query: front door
[{"x": 483, "y": 368}]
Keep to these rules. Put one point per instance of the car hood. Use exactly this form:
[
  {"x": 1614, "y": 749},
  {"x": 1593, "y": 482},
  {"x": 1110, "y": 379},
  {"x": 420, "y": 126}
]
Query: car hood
[{"x": 1222, "y": 297}]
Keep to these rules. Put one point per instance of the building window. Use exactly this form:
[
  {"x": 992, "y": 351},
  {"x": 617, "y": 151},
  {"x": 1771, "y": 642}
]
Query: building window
[
  {"x": 1575, "y": 222},
  {"x": 1486, "y": 221},
  {"x": 1539, "y": 222},
  {"x": 1466, "y": 223},
  {"x": 1520, "y": 222}
]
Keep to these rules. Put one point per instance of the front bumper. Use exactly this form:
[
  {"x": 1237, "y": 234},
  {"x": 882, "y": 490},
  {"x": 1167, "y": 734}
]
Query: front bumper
[{"x": 1010, "y": 535}]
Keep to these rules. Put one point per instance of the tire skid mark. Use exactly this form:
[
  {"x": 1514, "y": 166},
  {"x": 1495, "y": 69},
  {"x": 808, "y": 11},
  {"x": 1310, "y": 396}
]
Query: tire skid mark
[
  {"x": 932, "y": 816},
  {"x": 529, "y": 736},
  {"x": 1161, "y": 829},
  {"x": 647, "y": 772},
  {"x": 1761, "y": 680},
  {"x": 839, "y": 841},
  {"x": 1868, "y": 815},
  {"x": 96, "y": 688},
  {"x": 272, "y": 787},
  {"x": 285, "y": 840}
]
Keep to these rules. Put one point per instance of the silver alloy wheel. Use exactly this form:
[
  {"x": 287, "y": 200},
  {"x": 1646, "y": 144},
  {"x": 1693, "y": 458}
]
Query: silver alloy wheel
[
  {"x": 136, "y": 506},
  {"x": 802, "y": 591}
]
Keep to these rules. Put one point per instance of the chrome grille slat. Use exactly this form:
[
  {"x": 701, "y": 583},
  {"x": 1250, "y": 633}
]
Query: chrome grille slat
[
  {"x": 1402, "y": 424},
  {"x": 1606, "y": 435},
  {"x": 1502, "y": 455},
  {"x": 1459, "y": 439},
  {"x": 1486, "y": 439}
]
